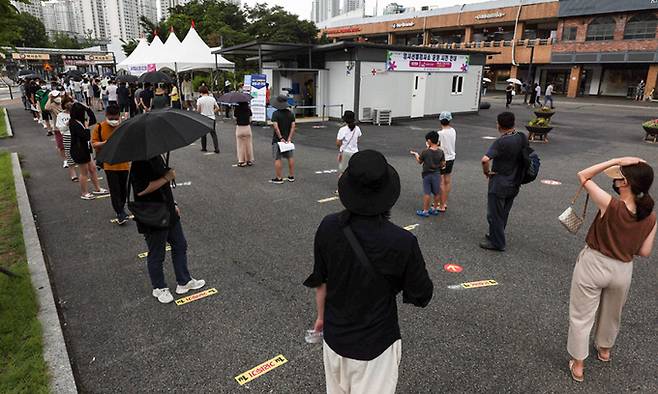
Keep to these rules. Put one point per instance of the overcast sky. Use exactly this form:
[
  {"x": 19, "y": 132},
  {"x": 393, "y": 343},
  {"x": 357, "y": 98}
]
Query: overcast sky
[{"x": 303, "y": 7}]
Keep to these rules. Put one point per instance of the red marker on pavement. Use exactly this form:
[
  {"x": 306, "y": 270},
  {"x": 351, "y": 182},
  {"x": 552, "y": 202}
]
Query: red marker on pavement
[{"x": 455, "y": 268}]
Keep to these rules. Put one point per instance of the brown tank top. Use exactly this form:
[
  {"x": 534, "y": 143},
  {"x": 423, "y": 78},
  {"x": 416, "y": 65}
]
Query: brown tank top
[{"x": 618, "y": 234}]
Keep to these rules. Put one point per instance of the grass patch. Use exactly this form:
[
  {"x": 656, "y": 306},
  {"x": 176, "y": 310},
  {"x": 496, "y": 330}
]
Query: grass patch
[
  {"x": 22, "y": 368},
  {"x": 3, "y": 125}
]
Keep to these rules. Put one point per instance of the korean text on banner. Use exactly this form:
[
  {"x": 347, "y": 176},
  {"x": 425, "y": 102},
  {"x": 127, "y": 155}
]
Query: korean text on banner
[
  {"x": 426, "y": 62},
  {"x": 258, "y": 97}
]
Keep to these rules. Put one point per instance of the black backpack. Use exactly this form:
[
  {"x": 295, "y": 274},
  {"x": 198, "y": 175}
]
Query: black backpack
[{"x": 529, "y": 164}]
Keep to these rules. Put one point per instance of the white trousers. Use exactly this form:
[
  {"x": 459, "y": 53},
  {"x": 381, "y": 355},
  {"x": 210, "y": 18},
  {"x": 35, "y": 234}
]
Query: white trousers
[
  {"x": 599, "y": 288},
  {"x": 349, "y": 376}
]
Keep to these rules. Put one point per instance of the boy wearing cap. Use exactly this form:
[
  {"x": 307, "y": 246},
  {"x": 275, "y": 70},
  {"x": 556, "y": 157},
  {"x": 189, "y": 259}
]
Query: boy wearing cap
[
  {"x": 433, "y": 160},
  {"x": 447, "y": 140}
]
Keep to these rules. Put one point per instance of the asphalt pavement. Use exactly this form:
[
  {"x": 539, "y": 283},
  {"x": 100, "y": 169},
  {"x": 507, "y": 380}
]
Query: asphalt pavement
[{"x": 253, "y": 242}]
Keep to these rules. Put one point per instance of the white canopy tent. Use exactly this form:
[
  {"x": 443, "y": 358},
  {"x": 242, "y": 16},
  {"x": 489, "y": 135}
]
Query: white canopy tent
[{"x": 192, "y": 54}]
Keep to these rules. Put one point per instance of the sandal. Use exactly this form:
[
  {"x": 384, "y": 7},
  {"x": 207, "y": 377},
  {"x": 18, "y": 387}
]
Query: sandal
[
  {"x": 242, "y": 165},
  {"x": 74, "y": 179},
  {"x": 575, "y": 377},
  {"x": 602, "y": 359}
]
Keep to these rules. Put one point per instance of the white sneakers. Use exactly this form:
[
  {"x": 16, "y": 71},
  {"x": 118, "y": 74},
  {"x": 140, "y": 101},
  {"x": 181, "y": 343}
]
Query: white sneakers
[
  {"x": 163, "y": 295},
  {"x": 193, "y": 284}
]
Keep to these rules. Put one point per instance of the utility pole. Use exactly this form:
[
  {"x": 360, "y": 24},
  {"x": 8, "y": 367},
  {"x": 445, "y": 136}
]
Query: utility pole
[{"x": 532, "y": 55}]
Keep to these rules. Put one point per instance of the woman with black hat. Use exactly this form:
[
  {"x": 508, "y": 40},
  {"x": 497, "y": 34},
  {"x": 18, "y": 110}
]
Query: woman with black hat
[{"x": 362, "y": 261}]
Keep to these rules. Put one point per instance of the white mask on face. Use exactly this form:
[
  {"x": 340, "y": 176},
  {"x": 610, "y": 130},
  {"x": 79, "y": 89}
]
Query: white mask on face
[
  {"x": 58, "y": 100},
  {"x": 113, "y": 123}
]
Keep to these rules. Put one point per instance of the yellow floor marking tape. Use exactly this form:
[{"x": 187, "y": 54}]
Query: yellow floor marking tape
[
  {"x": 479, "y": 283},
  {"x": 261, "y": 369},
  {"x": 328, "y": 199},
  {"x": 145, "y": 254},
  {"x": 196, "y": 296},
  {"x": 411, "y": 227}
]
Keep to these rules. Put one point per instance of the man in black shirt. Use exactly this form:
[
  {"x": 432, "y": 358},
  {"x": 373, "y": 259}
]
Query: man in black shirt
[
  {"x": 146, "y": 96},
  {"x": 123, "y": 95},
  {"x": 150, "y": 180},
  {"x": 356, "y": 293},
  {"x": 283, "y": 122},
  {"x": 504, "y": 179}
]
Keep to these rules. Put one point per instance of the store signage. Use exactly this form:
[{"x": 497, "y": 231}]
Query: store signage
[
  {"x": 493, "y": 15},
  {"x": 258, "y": 94},
  {"x": 107, "y": 58},
  {"x": 426, "y": 62},
  {"x": 341, "y": 30},
  {"x": 140, "y": 69},
  {"x": 403, "y": 24},
  {"x": 30, "y": 56}
]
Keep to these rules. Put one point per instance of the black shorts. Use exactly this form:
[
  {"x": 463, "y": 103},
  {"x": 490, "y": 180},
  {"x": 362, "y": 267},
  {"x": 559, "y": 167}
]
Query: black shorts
[
  {"x": 124, "y": 107},
  {"x": 46, "y": 115},
  {"x": 448, "y": 169}
]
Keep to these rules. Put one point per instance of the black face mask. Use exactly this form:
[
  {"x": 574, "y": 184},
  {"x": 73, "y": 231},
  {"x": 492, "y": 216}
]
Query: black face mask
[{"x": 615, "y": 187}]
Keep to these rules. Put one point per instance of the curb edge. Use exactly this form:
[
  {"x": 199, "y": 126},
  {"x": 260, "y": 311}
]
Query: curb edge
[
  {"x": 10, "y": 132},
  {"x": 54, "y": 347}
]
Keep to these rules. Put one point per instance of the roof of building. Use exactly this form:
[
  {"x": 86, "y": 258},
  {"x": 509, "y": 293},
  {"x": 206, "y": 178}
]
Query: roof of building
[
  {"x": 487, "y": 5},
  {"x": 55, "y": 51},
  {"x": 254, "y": 48},
  {"x": 424, "y": 49}
]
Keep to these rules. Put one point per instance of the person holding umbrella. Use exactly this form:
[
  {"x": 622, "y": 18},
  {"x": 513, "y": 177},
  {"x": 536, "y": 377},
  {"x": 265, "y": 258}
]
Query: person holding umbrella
[
  {"x": 243, "y": 136},
  {"x": 143, "y": 140},
  {"x": 206, "y": 105}
]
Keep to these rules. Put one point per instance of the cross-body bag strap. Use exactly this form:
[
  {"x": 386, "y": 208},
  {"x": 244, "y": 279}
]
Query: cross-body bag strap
[
  {"x": 363, "y": 258},
  {"x": 575, "y": 198}
]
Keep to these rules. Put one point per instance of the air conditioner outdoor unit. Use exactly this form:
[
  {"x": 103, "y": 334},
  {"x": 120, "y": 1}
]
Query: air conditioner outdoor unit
[{"x": 366, "y": 114}]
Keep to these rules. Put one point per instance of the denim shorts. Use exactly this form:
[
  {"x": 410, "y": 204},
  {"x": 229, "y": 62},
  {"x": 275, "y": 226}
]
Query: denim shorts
[{"x": 432, "y": 184}]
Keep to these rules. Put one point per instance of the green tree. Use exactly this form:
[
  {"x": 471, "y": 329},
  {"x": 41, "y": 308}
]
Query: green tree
[
  {"x": 64, "y": 41},
  {"x": 277, "y": 24},
  {"x": 31, "y": 31},
  {"x": 128, "y": 46},
  {"x": 8, "y": 27}
]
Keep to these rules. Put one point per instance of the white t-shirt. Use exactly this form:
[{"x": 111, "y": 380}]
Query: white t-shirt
[
  {"x": 86, "y": 87},
  {"x": 448, "y": 138},
  {"x": 207, "y": 105},
  {"x": 62, "y": 123},
  {"x": 549, "y": 90},
  {"x": 112, "y": 93},
  {"x": 538, "y": 90},
  {"x": 76, "y": 86},
  {"x": 349, "y": 139}
]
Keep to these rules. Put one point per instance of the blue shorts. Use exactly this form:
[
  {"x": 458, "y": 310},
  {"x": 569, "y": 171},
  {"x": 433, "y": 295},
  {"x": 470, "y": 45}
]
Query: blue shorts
[{"x": 432, "y": 184}]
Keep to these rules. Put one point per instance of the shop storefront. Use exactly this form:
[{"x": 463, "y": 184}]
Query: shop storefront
[{"x": 47, "y": 62}]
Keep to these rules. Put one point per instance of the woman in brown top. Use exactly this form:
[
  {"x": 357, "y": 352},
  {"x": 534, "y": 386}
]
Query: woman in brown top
[{"x": 624, "y": 227}]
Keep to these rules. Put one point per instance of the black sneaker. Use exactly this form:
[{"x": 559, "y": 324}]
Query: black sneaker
[
  {"x": 204, "y": 150},
  {"x": 277, "y": 181},
  {"x": 121, "y": 220},
  {"x": 291, "y": 179}
]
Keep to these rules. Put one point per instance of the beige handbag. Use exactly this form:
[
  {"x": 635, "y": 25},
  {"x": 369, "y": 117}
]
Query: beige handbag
[{"x": 570, "y": 219}]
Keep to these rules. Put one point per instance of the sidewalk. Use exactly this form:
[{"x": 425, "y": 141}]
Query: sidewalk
[{"x": 618, "y": 102}]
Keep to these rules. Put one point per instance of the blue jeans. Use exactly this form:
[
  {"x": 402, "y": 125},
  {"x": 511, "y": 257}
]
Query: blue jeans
[
  {"x": 547, "y": 99},
  {"x": 157, "y": 241}
]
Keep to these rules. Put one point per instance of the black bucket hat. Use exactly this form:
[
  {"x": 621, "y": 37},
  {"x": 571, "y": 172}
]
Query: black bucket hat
[
  {"x": 349, "y": 117},
  {"x": 370, "y": 186},
  {"x": 280, "y": 102}
]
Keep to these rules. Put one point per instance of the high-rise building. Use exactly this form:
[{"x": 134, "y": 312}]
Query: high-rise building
[
  {"x": 148, "y": 9},
  {"x": 33, "y": 7},
  {"x": 327, "y": 9},
  {"x": 58, "y": 16},
  {"x": 353, "y": 5},
  {"x": 91, "y": 15},
  {"x": 315, "y": 11}
]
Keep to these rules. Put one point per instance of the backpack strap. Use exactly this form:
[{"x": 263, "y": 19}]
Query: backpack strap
[{"x": 363, "y": 258}]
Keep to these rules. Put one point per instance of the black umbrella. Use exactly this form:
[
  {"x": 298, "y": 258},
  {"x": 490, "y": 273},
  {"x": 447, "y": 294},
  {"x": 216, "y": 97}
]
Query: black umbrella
[
  {"x": 155, "y": 77},
  {"x": 234, "y": 98},
  {"x": 74, "y": 74},
  {"x": 127, "y": 78},
  {"x": 154, "y": 133}
]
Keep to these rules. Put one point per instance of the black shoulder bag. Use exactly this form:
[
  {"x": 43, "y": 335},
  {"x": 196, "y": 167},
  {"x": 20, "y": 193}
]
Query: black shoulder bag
[
  {"x": 149, "y": 213},
  {"x": 363, "y": 259}
]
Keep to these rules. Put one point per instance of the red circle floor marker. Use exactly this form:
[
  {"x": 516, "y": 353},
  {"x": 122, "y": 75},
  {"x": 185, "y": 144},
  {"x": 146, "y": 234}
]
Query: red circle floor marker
[
  {"x": 551, "y": 182},
  {"x": 453, "y": 268}
]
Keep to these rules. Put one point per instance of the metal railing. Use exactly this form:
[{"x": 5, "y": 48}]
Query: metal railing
[{"x": 495, "y": 44}]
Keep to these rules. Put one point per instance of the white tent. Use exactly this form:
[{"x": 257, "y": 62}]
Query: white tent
[
  {"x": 165, "y": 57},
  {"x": 138, "y": 61},
  {"x": 196, "y": 55}
]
